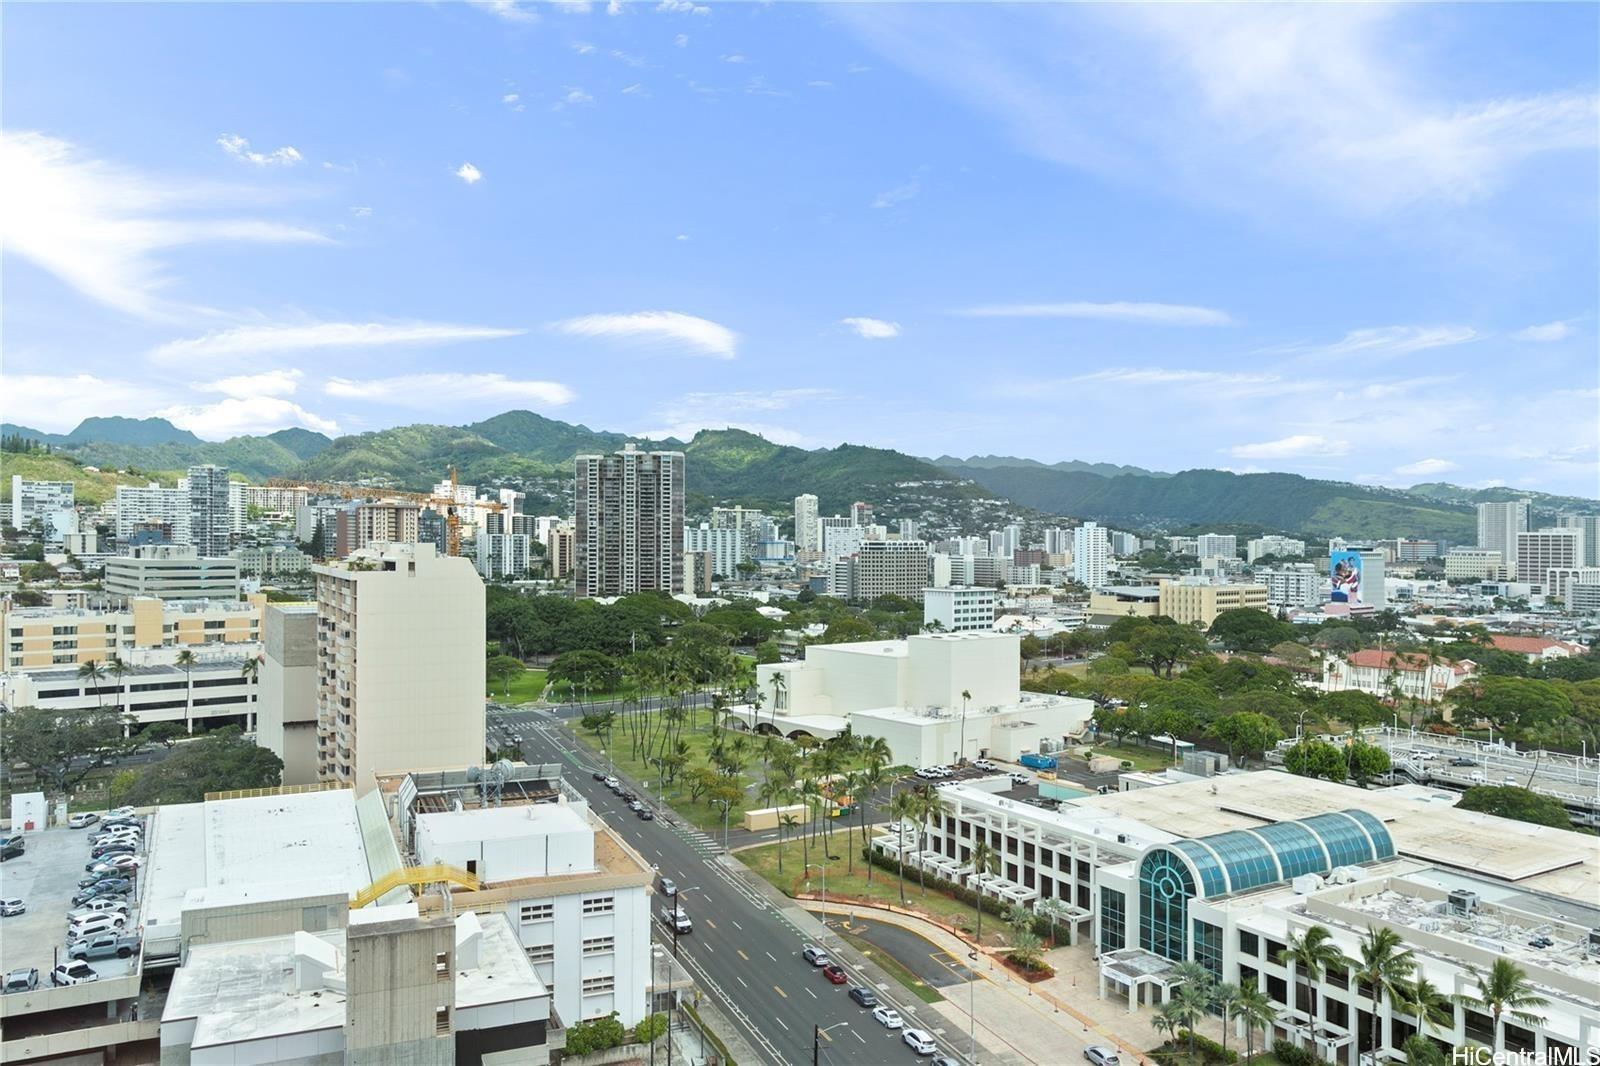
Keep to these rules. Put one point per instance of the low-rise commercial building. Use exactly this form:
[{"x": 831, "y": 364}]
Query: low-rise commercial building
[
  {"x": 959, "y": 609},
  {"x": 215, "y": 690},
  {"x": 273, "y": 561},
  {"x": 1280, "y": 547},
  {"x": 1475, "y": 564},
  {"x": 171, "y": 572},
  {"x": 1381, "y": 674},
  {"x": 1192, "y": 600},
  {"x": 38, "y": 638}
]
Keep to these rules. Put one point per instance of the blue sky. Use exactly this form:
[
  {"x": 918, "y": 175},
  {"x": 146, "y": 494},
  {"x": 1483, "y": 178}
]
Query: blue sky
[{"x": 1353, "y": 242}]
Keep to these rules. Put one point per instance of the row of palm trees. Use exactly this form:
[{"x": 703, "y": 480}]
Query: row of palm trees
[
  {"x": 1383, "y": 967},
  {"x": 94, "y": 672}
]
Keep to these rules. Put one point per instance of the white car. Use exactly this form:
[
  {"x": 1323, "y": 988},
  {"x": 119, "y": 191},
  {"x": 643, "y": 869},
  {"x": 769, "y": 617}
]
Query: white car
[
  {"x": 919, "y": 1041},
  {"x": 99, "y": 906},
  {"x": 985, "y": 764},
  {"x": 888, "y": 1017},
  {"x": 91, "y": 924},
  {"x": 121, "y": 812},
  {"x": 73, "y": 973},
  {"x": 8, "y": 907},
  {"x": 1100, "y": 1056},
  {"x": 82, "y": 821}
]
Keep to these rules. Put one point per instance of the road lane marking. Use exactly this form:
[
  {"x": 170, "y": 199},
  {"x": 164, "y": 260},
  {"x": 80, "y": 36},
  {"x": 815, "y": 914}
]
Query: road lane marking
[
  {"x": 742, "y": 955},
  {"x": 771, "y": 956},
  {"x": 780, "y": 1022},
  {"x": 711, "y": 923},
  {"x": 736, "y": 977},
  {"x": 810, "y": 993},
  {"x": 736, "y": 925},
  {"x": 780, "y": 991},
  {"x": 858, "y": 1036}
]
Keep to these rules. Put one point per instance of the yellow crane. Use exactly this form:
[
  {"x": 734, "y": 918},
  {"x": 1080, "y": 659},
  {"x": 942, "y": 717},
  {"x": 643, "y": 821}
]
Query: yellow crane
[{"x": 445, "y": 505}]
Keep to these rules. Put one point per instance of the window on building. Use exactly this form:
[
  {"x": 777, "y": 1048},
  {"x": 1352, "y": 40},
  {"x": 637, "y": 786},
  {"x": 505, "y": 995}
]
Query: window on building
[
  {"x": 1165, "y": 888},
  {"x": 599, "y": 945},
  {"x": 595, "y": 986},
  {"x": 441, "y": 965},
  {"x": 599, "y": 904},
  {"x": 1113, "y": 920},
  {"x": 441, "y": 1020},
  {"x": 536, "y": 912},
  {"x": 1208, "y": 947},
  {"x": 542, "y": 953},
  {"x": 1249, "y": 944}
]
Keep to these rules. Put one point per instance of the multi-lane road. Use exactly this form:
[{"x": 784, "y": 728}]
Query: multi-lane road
[{"x": 744, "y": 952}]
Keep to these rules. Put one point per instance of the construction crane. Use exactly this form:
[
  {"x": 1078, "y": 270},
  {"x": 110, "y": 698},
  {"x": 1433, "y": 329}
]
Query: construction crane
[{"x": 449, "y": 506}]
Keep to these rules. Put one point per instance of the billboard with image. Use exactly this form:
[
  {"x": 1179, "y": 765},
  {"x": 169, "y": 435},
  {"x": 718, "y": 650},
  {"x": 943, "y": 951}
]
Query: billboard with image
[{"x": 1344, "y": 577}]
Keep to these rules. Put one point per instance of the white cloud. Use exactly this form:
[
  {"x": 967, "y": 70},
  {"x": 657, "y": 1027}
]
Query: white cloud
[
  {"x": 98, "y": 227},
  {"x": 697, "y": 335},
  {"x": 820, "y": 84},
  {"x": 898, "y": 195},
  {"x": 58, "y": 404},
  {"x": 253, "y": 340},
  {"x": 614, "y": 7},
  {"x": 361, "y": 211},
  {"x": 249, "y": 386},
  {"x": 576, "y": 96},
  {"x": 683, "y": 7},
  {"x": 635, "y": 90},
  {"x": 510, "y": 98},
  {"x": 509, "y": 10},
  {"x": 1260, "y": 106},
  {"x": 1299, "y": 446},
  {"x": 583, "y": 48},
  {"x": 681, "y": 40},
  {"x": 872, "y": 329},
  {"x": 425, "y": 390},
  {"x": 734, "y": 58},
  {"x": 1550, "y": 331},
  {"x": 1386, "y": 340},
  {"x": 682, "y": 237},
  {"x": 1121, "y": 311},
  {"x": 1427, "y": 468},
  {"x": 236, "y": 416},
  {"x": 469, "y": 173},
  {"x": 239, "y": 148},
  {"x": 625, "y": 59}
]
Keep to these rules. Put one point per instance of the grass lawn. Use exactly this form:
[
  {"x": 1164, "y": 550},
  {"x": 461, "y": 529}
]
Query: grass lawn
[
  {"x": 891, "y": 966},
  {"x": 1141, "y": 757},
  {"x": 525, "y": 688},
  {"x": 843, "y": 885},
  {"x": 697, "y": 735}
]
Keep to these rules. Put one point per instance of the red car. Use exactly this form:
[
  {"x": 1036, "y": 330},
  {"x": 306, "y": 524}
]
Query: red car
[{"x": 835, "y": 973}]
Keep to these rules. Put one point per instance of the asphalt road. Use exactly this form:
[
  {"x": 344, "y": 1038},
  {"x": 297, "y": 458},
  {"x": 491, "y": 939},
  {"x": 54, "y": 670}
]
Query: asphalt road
[
  {"x": 926, "y": 960},
  {"x": 743, "y": 952}
]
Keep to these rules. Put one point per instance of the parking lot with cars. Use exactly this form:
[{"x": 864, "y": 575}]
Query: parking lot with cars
[{"x": 39, "y": 889}]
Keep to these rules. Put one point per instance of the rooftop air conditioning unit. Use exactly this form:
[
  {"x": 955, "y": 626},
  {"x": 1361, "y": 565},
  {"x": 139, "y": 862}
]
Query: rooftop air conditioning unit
[
  {"x": 1594, "y": 941},
  {"x": 1462, "y": 902}
]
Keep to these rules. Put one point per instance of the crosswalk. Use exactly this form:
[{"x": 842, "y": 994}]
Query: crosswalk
[{"x": 700, "y": 841}]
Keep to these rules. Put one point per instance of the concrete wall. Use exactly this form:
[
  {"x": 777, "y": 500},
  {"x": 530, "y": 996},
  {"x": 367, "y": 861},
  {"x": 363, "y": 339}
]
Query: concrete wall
[
  {"x": 274, "y": 917},
  {"x": 628, "y": 923},
  {"x": 394, "y": 993},
  {"x": 941, "y": 666},
  {"x": 287, "y": 718}
]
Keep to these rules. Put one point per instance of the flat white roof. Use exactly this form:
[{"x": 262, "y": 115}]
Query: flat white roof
[{"x": 503, "y": 823}]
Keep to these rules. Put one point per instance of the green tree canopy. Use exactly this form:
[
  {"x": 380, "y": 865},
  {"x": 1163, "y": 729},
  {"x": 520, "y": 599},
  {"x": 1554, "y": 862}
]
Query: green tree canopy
[
  {"x": 1521, "y": 804},
  {"x": 64, "y": 747},
  {"x": 220, "y": 761},
  {"x": 1357, "y": 710},
  {"x": 1248, "y": 629},
  {"x": 1245, "y": 732},
  {"x": 1316, "y": 758},
  {"x": 588, "y": 669}
]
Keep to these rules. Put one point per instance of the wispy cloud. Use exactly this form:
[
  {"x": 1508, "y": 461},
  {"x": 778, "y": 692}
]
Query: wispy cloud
[
  {"x": 425, "y": 390},
  {"x": 1298, "y": 446},
  {"x": 1120, "y": 311},
  {"x": 59, "y": 402},
  {"x": 682, "y": 7},
  {"x": 1545, "y": 334},
  {"x": 239, "y": 148},
  {"x": 1427, "y": 468},
  {"x": 697, "y": 335},
  {"x": 898, "y": 195},
  {"x": 509, "y": 10},
  {"x": 99, "y": 227},
  {"x": 236, "y": 416},
  {"x": 743, "y": 409},
  {"x": 577, "y": 96},
  {"x": 872, "y": 329},
  {"x": 469, "y": 173},
  {"x": 249, "y": 386},
  {"x": 1385, "y": 340},
  {"x": 254, "y": 340}
]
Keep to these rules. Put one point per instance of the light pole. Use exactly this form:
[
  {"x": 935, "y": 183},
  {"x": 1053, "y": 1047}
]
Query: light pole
[
  {"x": 676, "y": 896},
  {"x": 1299, "y": 723},
  {"x": 817, "y": 1032},
  {"x": 823, "y": 866}
]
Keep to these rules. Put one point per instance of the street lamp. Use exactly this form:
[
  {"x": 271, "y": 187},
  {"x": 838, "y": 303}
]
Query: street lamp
[
  {"x": 1299, "y": 722},
  {"x": 817, "y": 1033},
  {"x": 676, "y": 896},
  {"x": 823, "y": 866}
]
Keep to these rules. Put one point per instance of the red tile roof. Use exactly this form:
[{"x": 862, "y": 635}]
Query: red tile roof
[
  {"x": 1406, "y": 664},
  {"x": 1531, "y": 645}
]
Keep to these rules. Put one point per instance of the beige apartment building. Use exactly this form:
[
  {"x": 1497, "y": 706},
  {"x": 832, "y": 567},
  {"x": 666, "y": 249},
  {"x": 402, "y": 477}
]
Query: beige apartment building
[
  {"x": 1189, "y": 601},
  {"x": 37, "y": 638},
  {"x": 400, "y": 680}
]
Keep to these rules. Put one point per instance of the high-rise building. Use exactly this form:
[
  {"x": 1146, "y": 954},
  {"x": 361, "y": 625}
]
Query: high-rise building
[
  {"x": 287, "y": 720},
  {"x": 501, "y": 554},
  {"x": 560, "y": 549},
  {"x": 806, "y": 537},
  {"x": 959, "y": 609},
  {"x": 1057, "y": 541},
  {"x": 1216, "y": 546},
  {"x": 1475, "y": 564},
  {"x": 1271, "y": 544},
  {"x": 1123, "y": 544},
  {"x": 629, "y": 533},
  {"x": 881, "y": 568},
  {"x": 149, "y": 506},
  {"x": 908, "y": 529},
  {"x": 752, "y": 528},
  {"x": 1413, "y": 550},
  {"x": 723, "y": 546},
  {"x": 400, "y": 634},
  {"x": 362, "y": 525},
  {"x": 1293, "y": 585},
  {"x": 34, "y": 500},
  {"x": 210, "y": 510},
  {"x": 1498, "y": 526},
  {"x": 697, "y": 571},
  {"x": 1091, "y": 555},
  {"x": 1556, "y": 548},
  {"x": 861, "y": 513},
  {"x": 1590, "y": 524}
]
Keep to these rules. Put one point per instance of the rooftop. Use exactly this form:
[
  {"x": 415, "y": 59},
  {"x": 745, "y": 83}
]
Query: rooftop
[{"x": 504, "y": 823}]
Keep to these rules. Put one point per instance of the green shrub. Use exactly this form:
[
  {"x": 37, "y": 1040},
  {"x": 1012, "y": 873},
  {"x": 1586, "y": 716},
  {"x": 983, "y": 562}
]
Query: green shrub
[
  {"x": 598, "y": 1035},
  {"x": 1208, "y": 1048},
  {"x": 650, "y": 1028},
  {"x": 1289, "y": 1055}
]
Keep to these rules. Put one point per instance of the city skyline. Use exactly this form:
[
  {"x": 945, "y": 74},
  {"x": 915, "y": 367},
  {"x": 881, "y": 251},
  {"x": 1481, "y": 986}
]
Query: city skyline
[{"x": 872, "y": 224}]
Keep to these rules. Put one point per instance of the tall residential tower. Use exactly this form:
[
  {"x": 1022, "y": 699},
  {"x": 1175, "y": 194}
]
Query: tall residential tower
[{"x": 629, "y": 522}]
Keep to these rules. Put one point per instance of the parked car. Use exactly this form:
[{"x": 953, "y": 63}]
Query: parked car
[
  {"x": 104, "y": 946},
  {"x": 107, "y": 850},
  {"x": 943, "y": 1060},
  {"x": 96, "y": 924},
  {"x": 815, "y": 955},
  {"x": 121, "y": 812},
  {"x": 599, "y": 775},
  {"x": 101, "y": 891},
  {"x": 94, "y": 878},
  {"x": 864, "y": 996},
  {"x": 920, "y": 1041},
  {"x": 1019, "y": 778},
  {"x": 8, "y": 907},
  {"x": 101, "y": 905},
  {"x": 985, "y": 764},
  {"x": 835, "y": 973},
  {"x": 1100, "y": 1056},
  {"x": 11, "y": 847},
  {"x": 888, "y": 1017},
  {"x": 82, "y": 821},
  {"x": 23, "y": 980},
  {"x": 613, "y": 784},
  {"x": 73, "y": 973},
  {"x": 100, "y": 836},
  {"x": 1463, "y": 760},
  {"x": 646, "y": 814}
]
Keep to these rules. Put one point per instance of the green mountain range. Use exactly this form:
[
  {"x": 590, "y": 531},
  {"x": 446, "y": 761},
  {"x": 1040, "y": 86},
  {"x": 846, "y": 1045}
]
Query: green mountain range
[{"x": 727, "y": 466}]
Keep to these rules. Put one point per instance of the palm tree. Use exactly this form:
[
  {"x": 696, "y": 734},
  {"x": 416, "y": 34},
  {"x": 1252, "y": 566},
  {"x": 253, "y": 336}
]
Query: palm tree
[
  {"x": 119, "y": 670},
  {"x": 780, "y": 687},
  {"x": 1420, "y": 1051},
  {"x": 1254, "y": 1007},
  {"x": 868, "y": 780},
  {"x": 187, "y": 660},
  {"x": 903, "y": 808},
  {"x": 1189, "y": 1004},
  {"x": 1504, "y": 990},
  {"x": 1167, "y": 1020},
  {"x": 1309, "y": 956},
  {"x": 966, "y": 695},
  {"x": 786, "y": 824},
  {"x": 1431, "y": 1007},
  {"x": 930, "y": 805},
  {"x": 1226, "y": 999},
  {"x": 1385, "y": 967},
  {"x": 1053, "y": 909},
  {"x": 985, "y": 860},
  {"x": 94, "y": 672}
]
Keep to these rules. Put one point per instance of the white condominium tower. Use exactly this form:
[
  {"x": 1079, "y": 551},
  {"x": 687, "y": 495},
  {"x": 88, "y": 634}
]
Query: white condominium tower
[
  {"x": 1498, "y": 526},
  {"x": 806, "y": 538},
  {"x": 629, "y": 522},
  {"x": 210, "y": 516},
  {"x": 1091, "y": 554}
]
